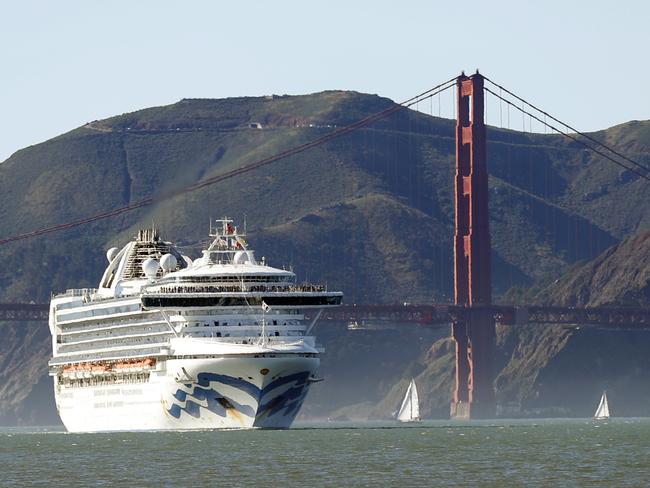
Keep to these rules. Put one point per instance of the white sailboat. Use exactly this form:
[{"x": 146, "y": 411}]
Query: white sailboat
[
  {"x": 602, "y": 412},
  {"x": 410, "y": 409}
]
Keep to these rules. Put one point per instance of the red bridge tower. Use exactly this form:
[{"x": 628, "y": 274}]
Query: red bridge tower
[{"x": 475, "y": 337}]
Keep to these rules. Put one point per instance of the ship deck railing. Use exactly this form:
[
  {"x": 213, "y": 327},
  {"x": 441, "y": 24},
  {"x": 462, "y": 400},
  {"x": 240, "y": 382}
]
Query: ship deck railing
[
  {"x": 89, "y": 298},
  {"x": 255, "y": 340},
  {"x": 112, "y": 325},
  {"x": 204, "y": 330},
  {"x": 228, "y": 337},
  {"x": 90, "y": 294},
  {"x": 75, "y": 292},
  {"x": 68, "y": 344},
  {"x": 163, "y": 349},
  {"x": 182, "y": 288},
  {"x": 115, "y": 348}
]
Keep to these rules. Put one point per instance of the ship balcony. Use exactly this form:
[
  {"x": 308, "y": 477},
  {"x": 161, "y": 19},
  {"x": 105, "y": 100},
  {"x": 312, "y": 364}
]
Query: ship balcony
[
  {"x": 234, "y": 331},
  {"x": 112, "y": 348},
  {"x": 184, "y": 288},
  {"x": 203, "y": 298},
  {"x": 112, "y": 325},
  {"x": 83, "y": 341}
]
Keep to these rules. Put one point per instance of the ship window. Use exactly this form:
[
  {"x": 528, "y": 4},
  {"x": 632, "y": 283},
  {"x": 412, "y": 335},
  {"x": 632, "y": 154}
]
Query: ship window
[
  {"x": 216, "y": 323},
  {"x": 275, "y": 322},
  {"x": 218, "y": 334}
]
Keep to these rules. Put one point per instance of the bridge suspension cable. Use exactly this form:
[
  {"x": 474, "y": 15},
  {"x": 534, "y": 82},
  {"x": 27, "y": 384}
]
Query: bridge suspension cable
[
  {"x": 431, "y": 92},
  {"x": 593, "y": 145}
]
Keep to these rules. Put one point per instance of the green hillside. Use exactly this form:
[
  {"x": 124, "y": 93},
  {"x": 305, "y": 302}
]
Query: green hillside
[{"x": 370, "y": 213}]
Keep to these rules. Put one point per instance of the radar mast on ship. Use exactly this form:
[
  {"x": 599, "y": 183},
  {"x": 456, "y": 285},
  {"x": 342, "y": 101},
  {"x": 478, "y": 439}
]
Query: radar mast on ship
[{"x": 228, "y": 245}]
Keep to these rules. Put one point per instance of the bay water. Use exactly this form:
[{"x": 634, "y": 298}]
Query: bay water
[{"x": 569, "y": 452}]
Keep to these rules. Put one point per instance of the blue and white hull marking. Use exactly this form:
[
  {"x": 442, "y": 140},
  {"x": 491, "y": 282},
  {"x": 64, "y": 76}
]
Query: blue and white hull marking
[
  {"x": 274, "y": 405},
  {"x": 262, "y": 392}
]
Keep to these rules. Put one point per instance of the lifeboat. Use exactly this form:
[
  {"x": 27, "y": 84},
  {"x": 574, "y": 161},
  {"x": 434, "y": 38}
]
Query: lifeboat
[
  {"x": 86, "y": 370},
  {"x": 100, "y": 368},
  {"x": 70, "y": 371},
  {"x": 134, "y": 365}
]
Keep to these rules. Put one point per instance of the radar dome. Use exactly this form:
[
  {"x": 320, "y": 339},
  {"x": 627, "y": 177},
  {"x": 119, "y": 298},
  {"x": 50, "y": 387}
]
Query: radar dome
[
  {"x": 168, "y": 263},
  {"x": 150, "y": 268},
  {"x": 111, "y": 253},
  {"x": 241, "y": 257}
]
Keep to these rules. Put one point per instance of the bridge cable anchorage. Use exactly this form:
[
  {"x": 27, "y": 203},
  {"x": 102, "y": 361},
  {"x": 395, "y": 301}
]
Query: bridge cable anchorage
[
  {"x": 573, "y": 129},
  {"x": 575, "y": 139},
  {"x": 431, "y": 92}
]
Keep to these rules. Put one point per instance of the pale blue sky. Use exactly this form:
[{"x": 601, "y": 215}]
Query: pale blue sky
[{"x": 68, "y": 62}]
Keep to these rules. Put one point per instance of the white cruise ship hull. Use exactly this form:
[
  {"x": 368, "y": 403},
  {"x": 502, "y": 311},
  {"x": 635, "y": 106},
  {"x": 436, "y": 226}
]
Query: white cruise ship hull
[
  {"x": 209, "y": 393},
  {"x": 168, "y": 343}
]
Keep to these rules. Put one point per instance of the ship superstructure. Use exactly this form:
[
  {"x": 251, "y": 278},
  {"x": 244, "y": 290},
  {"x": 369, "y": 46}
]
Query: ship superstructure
[{"x": 165, "y": 342}]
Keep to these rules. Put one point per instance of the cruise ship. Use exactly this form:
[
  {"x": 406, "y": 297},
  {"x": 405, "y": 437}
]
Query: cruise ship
[{"x": 167, "y": 343}]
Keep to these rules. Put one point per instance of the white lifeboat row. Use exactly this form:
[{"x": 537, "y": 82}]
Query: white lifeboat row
[{"x": 94, "y": 369}]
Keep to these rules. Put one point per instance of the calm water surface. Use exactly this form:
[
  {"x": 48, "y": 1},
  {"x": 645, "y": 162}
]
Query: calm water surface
[{"x": 499, "y": 453}]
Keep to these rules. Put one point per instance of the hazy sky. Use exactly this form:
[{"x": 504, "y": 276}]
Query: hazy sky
[{"x": 68, "y": 62}]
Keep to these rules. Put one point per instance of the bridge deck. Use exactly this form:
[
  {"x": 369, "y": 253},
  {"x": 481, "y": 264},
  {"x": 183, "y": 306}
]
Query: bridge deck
[{"x": 429, "y": 315}]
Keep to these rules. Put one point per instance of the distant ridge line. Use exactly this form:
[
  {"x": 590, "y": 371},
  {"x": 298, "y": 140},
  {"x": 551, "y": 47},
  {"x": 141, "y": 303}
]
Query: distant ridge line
[{"x": 244, "y": 169}]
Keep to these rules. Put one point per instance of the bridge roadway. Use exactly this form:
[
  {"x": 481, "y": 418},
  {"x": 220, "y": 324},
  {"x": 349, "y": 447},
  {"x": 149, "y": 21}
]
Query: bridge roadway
[{"x": 430, "y": 315}]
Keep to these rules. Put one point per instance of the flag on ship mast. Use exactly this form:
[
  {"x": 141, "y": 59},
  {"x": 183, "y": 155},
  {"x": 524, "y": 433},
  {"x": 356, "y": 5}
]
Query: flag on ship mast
[{"x": 265, "y": 307}]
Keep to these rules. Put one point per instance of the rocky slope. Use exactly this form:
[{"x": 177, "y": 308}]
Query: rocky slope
[
  {"x": 561, "y": 370},
  {"x": 619, "y": 276}
]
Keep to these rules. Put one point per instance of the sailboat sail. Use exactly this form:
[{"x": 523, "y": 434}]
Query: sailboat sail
[
  {"x": 410, "y": 409},
  {"x": 602, "y": 412}
]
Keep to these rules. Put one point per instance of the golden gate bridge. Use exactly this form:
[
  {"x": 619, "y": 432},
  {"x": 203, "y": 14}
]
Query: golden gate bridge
[{"x": 473, "y": 314}]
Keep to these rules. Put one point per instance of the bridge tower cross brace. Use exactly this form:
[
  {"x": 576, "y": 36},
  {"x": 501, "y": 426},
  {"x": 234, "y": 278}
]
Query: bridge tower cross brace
[{"x": 475, "y": 336}]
